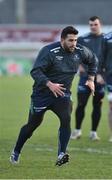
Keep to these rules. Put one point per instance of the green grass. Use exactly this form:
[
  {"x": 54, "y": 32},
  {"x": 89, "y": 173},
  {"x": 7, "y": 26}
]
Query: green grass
[{"x": 88, "y": 159}]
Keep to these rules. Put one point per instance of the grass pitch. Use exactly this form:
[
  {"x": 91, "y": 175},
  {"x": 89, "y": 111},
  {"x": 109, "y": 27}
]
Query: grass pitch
[{"x": 88, "y": 160}]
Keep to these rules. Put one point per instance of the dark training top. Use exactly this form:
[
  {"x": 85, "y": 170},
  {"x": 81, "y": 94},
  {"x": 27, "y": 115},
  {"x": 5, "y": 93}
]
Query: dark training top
[
  {"x": 95, "y": 43},
  {"x": 59, "y": 66},
  {"x": 108, "y": 57}
]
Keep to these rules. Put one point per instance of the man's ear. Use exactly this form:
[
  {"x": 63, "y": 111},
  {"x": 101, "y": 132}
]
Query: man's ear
[{"x": 62, "y": 39}]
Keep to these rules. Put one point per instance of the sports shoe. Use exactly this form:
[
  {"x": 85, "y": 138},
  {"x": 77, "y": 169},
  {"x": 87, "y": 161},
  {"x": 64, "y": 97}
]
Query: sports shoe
[
  {"x": 62, "y": 159},
  {"x": 94, "y": 136},
  {"x": 76, "y": 134},
  {"x": 14, "y": 158}
]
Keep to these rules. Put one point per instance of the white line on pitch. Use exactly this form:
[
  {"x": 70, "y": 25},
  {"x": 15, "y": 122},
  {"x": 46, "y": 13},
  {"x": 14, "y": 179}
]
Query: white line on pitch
[{"x": 71, "y": 149}]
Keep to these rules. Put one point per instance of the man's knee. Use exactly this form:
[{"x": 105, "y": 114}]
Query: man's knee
[
  {"x": 98, "y": 99},
  {"x": 65, "y": 119},
  {"x": 82, "y": 99},
  {"x": 34, "y": 121}
]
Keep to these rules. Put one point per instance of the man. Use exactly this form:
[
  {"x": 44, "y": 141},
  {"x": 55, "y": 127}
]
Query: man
[
  {"x": 108, "y": 68},
  {"x": 53, "y": 73},
  {"x": 95, "y": 41}
]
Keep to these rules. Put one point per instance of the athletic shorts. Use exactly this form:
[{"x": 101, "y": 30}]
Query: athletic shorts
[
  {"x": 82, "y": 88},
  {"x": 109, "y": 86},
  {"x": 43, "y": 101}
]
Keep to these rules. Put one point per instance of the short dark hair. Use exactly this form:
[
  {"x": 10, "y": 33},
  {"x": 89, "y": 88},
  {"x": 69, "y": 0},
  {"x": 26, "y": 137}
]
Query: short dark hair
[
  {"x": 93, "y": 18},
  {"x": 68, "y": 30}
]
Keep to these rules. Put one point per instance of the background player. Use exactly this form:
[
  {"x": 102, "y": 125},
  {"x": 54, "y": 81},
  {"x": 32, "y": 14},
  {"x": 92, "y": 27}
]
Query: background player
[
  {"x": 95, "y": 41},
  {"x": 108, "y": 67}
]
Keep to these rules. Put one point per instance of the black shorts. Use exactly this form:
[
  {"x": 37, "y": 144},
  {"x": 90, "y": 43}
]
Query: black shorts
[
  {"x": 82, "y": 88},
  {"x": 41, "y": 102}
]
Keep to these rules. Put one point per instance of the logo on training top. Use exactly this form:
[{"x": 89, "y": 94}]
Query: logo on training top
[
  {"x": 56, "y": 51},
  {"x": 76, "y": 57},
  {"x": 59, "y": 58},
  {"x": 86, "y": 40}
]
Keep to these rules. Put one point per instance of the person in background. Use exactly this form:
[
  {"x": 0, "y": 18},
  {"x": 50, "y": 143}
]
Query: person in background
[
  {"x": 108, "y": 72},
  {"x": 94, "y": 40}
]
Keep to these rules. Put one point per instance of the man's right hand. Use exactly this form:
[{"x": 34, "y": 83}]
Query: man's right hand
[{"x": 57, "y": 89}]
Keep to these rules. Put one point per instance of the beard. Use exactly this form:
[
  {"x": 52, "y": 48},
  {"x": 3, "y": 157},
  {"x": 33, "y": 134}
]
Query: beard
[{"x": 69, "y": 49}]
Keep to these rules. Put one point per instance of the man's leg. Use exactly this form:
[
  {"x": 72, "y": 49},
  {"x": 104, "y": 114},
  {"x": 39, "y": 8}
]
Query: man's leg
[
  {"x": 110, "y": 114},
  {"x": 34, "y": 120},
  {"x": 109, "y": 88},
  {"x": 96, "y": 114},
  {"x": 83, "y": 94},
  {"x": 27, "y": 130},
  {"x": 82, "y": 99},
  {"x": 63, "y": 108}
]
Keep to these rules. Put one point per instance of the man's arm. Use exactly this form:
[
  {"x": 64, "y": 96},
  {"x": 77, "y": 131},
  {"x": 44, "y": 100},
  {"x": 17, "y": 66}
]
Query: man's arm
[
  {"x": 101, "y": 66},
  {"x": 81, "y": 67},
  {"x": 42, "y": 64},
  {"x": 91, "y": 61}
]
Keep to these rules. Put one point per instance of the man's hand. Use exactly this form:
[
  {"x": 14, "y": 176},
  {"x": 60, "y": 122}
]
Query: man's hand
[
  {"x": 57, "y": 89},
  {"x": 90, "y": 84},
  {"x": 100, "y": 79}
]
